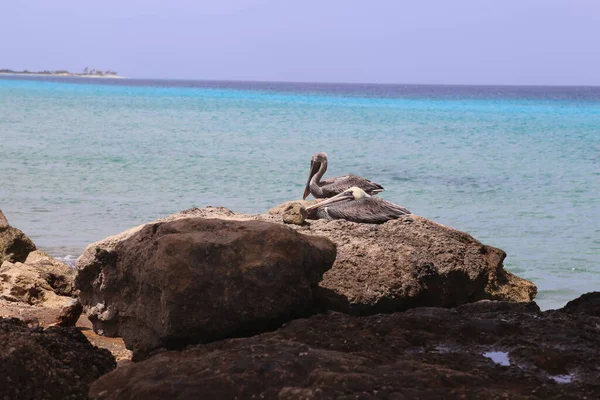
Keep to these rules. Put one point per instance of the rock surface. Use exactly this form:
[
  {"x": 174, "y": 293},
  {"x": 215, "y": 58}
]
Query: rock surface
[
  {"x": 295, "y": 214},
  {"x": 14, "y": 244},
  {"x": 3, "y": 220},
  {"x": 485, "y": 350},
  {"x": 195, "y": 280},
  {"x": 56, "y": 273},
  {"x": 588, "y": 303},
  {"x": 58, "y": 363},
  {"x": 404, "y": 263},
  {"x": 24, "y": 283},
  {"x": 69, "y": 315}
]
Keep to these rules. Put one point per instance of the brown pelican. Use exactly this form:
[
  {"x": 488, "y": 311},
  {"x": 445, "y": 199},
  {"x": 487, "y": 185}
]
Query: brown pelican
[
  {"x": 356, "y": 205},
  {"x": 332, "y": 186}
]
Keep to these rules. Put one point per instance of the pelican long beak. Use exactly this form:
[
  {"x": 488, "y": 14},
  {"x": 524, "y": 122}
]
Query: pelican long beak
[
  {"x": 314, "y": 167},
  {"x": 340, "y": 198}
]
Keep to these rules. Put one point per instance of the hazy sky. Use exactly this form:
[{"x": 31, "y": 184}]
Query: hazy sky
[{"x": 396, "y": 41}]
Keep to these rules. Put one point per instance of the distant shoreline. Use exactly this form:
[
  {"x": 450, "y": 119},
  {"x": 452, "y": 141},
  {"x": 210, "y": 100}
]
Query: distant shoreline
[{"x": 65, "y": 74}]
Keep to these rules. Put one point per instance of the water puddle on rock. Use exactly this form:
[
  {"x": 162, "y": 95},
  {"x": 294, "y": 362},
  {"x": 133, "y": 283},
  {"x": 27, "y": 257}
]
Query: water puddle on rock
[
  {"x": 442, "y": 348},
  {"x": 499, "y": 357}
]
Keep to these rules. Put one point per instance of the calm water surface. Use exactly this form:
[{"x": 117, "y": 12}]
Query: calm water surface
[{"x": 516, "y": 167}]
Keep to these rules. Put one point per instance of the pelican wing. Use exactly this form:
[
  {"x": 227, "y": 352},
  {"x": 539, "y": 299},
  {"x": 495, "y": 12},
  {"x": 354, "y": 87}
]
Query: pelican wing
[
  {"x": 338, "y": 184},
  {"x": 370, "y": 210}
]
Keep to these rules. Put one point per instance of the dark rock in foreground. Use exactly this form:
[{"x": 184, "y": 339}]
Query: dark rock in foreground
[
  {"x": 58, "y": 363},
  {"x": 196, "y": 280},
  {"x": 588, "y": 303},
  {"x": 485, "y": 350}
]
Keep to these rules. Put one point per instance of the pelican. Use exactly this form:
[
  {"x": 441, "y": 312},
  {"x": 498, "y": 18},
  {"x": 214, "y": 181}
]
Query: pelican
[
  {"x": 356, "y": 205},
  {"x": 332, "y": 186}
]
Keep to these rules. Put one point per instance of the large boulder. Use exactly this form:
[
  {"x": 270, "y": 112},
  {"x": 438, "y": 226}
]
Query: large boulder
[
  {"x": 403, "y": 263},
  {"x": 58, "y": 363},
  {"x": 412, "y": 262},
  {"x": 194, "y": 280},
  {"x": 25, "y": 283},
  {"x": 484, "y": 350},
  {"x": 14, "y": 244}
]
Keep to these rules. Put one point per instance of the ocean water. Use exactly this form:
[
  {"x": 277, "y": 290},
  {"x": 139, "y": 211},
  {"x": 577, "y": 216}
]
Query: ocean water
[{"x": 516, "y": 167}]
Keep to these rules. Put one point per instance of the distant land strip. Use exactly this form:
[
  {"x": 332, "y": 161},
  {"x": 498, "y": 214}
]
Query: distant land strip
[{"x": 86, "y": 73}]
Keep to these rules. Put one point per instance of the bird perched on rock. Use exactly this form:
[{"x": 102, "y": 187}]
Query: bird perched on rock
[
  {"x": 333, "y": 186},
  {"x": 355, "y": 205}
]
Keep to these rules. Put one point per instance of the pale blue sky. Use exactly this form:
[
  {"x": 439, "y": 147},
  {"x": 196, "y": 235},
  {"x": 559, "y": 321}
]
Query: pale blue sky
[{"x": 395, "y": 41}]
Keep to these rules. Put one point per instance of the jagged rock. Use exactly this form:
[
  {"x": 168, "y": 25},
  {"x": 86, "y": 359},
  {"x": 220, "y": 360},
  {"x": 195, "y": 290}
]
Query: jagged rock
[
  {"x": 404, "y": 263},
  {"x": 14, "y": 244},
  {"x": 588, "y": 303},
  {"x": 58, "y": 363},
  {"x": 411, "y": 262},
  {"x": 69, "y": 314},
  {"x": 59, "y": 275},
  {"x": 295, "y": 214},
  {"x": 3, "y": 220},
  {"x": 194, "y": 280},
  {"x": 24, "y": 283},
  {"x": 486, "y": 350}
]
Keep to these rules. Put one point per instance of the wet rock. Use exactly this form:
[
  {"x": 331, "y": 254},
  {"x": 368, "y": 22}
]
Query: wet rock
[
  {"x": 58, "y": 363},
  {"x": 191, "y": 280},
  {"x": 23, "y": 283},
  {"x": 14, "y": 244},
  {"x": 403, "y": 263},
  {"x": 295, "y": 214},
  {"x": 487, "y": 350}
]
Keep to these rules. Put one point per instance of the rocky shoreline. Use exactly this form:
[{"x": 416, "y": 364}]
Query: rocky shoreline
[{"x": 210, "y": 303}]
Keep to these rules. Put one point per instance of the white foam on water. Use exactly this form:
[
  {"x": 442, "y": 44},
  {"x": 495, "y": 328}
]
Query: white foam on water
[
  {"x": 442, "y": 348},
  {"x": 68, "y": 259},
  {"x": 499, "y": 357},
  {"x": 562, "y": 378}
]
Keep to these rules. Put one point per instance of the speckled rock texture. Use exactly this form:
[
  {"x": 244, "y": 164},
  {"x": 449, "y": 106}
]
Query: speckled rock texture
[
  {"x": 485, "y": 350},
  {"x": 56, "y": 363}
]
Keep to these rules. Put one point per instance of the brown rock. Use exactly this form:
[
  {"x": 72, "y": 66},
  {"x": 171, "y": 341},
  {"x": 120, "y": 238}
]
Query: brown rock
[
  {"x": 275, "y": 211},
  {"x": 70, "y": 314},
  {"x": 412, "y": 262},
  {"x": 24, "y": 283},
  {"x": 295, "y": 214},
  {"x": 487, "y": 350},
  {"x": 403, "y": 263},
  {"x": 59, "y": 275},
  {"x": 58, "y": 363},
  {"x": 195, "y": 280},
  {"x": 45, "y": 317},
  {"x": 3, "y": 220},
  {"x": 14, "y": 244}
]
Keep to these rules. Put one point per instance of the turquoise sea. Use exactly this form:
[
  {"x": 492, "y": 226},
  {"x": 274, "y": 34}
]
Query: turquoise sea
[{"x": 516, "y": 167}]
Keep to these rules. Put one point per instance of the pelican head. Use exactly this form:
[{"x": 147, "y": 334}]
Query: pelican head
[
  {"x": 350, "y": 194},
  {"x": 319, "y": 157},
  {"x": 317, "y": 160}
]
